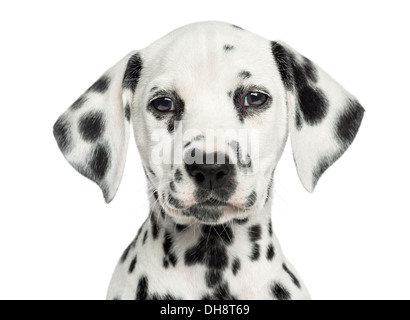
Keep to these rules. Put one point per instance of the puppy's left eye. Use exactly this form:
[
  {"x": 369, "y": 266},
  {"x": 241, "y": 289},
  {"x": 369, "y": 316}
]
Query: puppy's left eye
[{"x": 255, "y": 99}]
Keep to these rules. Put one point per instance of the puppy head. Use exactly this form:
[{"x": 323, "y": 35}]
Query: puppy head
[{"x": 211, "y": 106}]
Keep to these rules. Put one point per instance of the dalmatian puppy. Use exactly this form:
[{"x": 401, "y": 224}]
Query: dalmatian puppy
[{"x": 209, "y": 233}]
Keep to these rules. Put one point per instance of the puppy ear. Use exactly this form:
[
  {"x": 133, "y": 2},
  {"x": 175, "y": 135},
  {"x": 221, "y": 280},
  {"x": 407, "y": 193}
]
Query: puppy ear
[
  {"x": 323, "y": 117},
  {"x": 93, "y": 133}
]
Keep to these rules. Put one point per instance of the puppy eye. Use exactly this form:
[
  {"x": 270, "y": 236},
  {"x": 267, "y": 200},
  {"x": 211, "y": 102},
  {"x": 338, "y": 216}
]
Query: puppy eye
[
  {"x": 255, "y": 99},
  {"x": 163, "y": 104}
]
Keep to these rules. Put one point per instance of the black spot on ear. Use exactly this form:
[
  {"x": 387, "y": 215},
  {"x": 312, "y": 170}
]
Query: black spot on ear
[
  {"x": 145, "y": 237},
  {"x": 349, "y": 122},
  {"x": 313, "y": 104},
  {"x": 101, "y": 85},
  {"x": 245, "y": 75},
  {"x": 251, "y": 199},
  {"x": 310, "y": 69},
  {"x": 255, "y": 232},
  {"x": 323, "y": 164},
  {"x": 132, "y": 265},
  {"x": 270, "y": 253},
  {"x": 62, "y": 133},
  {"x": 132, "y": 73},
  {"x": 298, "y": 120},
  {"x": 236, "y": 266},
  {"x": 292, "y": 276},
  {"x": 282, "y": 58},
  {"x": 279, "y": 292},
  {"x": 127, "y": 111},
  {"x": 178, "y": 176},
  {"x": 99, "y": 162},
  {"x": 256, "y": 252},
  {"x": 91, "y": 126},
  {"x": 236, "y": 27},
  {"x": 78, "y": 103},
  {"x": 228, "y": 47},
  {"x": 142, "y": 289}
]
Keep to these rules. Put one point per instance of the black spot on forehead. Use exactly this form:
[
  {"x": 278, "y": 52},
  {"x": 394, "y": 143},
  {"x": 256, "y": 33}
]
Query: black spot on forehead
[
  {"x": 101, "y": 85},
  {"x": 62, "y": 134},
  {"x": 99, "y": 162},
  {"x": 142, "y": 288},
  {"x": 127, "y": 111},
  {"x": 92, "y": 126},
  {"x": 132, "y": 72},
  {"x": 78, "y": 103},
  {"x": 228, "y": 47},
  {"x": 291, "y": 275},
  {"x": 279, "y": 292},
  {"x": 255, "y": 232},
  {"x": 245, "y": 75},
  {"x": 349, "y": 122}
]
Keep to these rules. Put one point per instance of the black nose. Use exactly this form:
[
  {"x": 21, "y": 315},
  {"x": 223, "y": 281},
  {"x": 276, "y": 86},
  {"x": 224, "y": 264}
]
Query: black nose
[{"x": 210, "y": 174}]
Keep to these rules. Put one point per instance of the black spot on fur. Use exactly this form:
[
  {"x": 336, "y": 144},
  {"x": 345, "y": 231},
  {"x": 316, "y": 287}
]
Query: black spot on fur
[
  {"x": 62, "y": 133},
  {"x": 168, "y": 251},
  {"x": 251, "y": 199},
  {"x": 180, "y": 227},
  {"x": 279, "y": 292},
  {"x": 213, "y": 277},
  {"x": 349, "y": 122},
  {"x": 132, "y": 265},
  {"x": 292, "y": 276},
  {"x": 172, "y": 186},
  {"x": 101, "y": 85},
  {"x": 270, "y": 229},
  {"x": 155, "y": 193},
  {"x": 132, "y": 73},
  {"x": 323, "y": 164},
  {"x": 78, "y": 103},
  {"x": 269, "y": 190},
  {"x": 222, "y": 292},
  {"x": 168, "y": 296},
  {"x": 99, "y": 162},
  {"x": 162, "y": 213},
  {"x": 173, "y": 259},
  {"x": 245, "y": 75},
  {"x": 178, "y": 176},
  {"x": 255, "y": 232},
  {"x": 165, "y": 263},
  {"x": 211, "y": 248},
  {"x": 204, "y": 213},
  {"x": 313, "y": 104},
  {"x": 282, "y": 59},
  {"x": 175, "y": 202},
  {"x": 230, "y": 94},
  {"x": 298, "y": 120},
  {"x": 256, "y": 252},
  {"x": 91, "y": 126},
  {"x": 154, "y": 226},
  {"x": 142, "y": 289},
  {"x": 270, "y": 253},
  {"x": 241, "y": 221},
  {"x": 151, "y": 172},
  {"x": 145, "y": 237},
  {"x": 127, "y": 111},
  {"x": 236, "y": 266},
  {"x": 236, "y": 27},
  {"x": 228, "y": 47}
]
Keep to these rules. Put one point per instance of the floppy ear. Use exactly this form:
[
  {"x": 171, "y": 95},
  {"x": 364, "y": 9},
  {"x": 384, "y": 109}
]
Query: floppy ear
[
  {"x": 93, "y": 133},
  {"x": 323, "y": 117}
]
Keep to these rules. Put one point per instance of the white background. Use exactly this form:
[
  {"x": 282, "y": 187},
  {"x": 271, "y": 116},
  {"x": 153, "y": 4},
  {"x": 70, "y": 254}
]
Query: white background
[{"x": 59, "y": 240}]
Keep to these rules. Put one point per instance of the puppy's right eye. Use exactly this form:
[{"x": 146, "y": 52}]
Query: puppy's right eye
[{"x": 163, "y": 104}]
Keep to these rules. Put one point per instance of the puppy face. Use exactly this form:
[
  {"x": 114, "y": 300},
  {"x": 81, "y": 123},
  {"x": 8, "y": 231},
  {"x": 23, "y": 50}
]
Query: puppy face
[
  {"x": 219, "y": 118},
  {"x": 211, "y": 106}
]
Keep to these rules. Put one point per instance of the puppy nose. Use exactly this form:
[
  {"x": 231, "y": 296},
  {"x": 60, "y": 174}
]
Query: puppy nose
[{"x": 211, "y": 176}]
